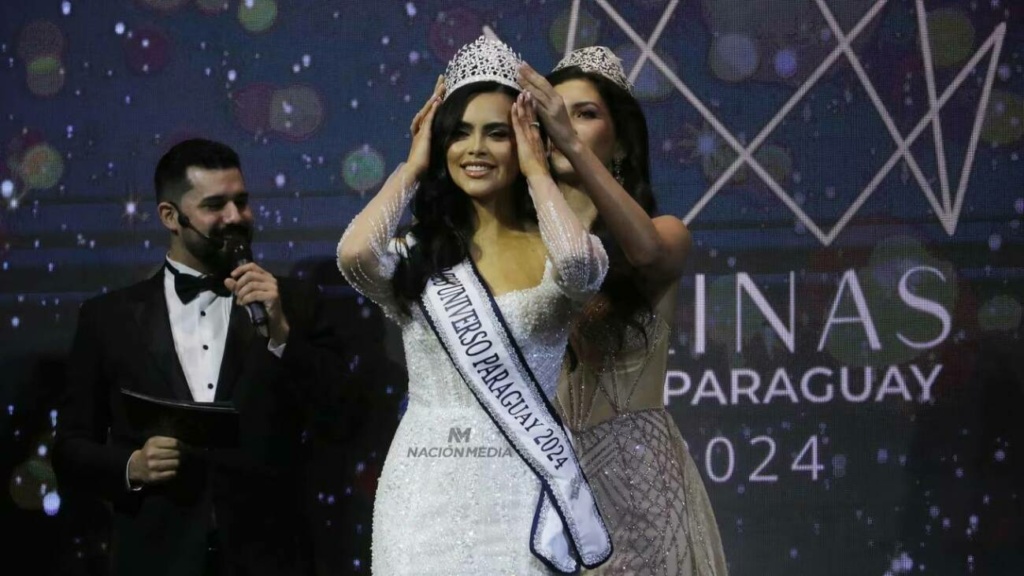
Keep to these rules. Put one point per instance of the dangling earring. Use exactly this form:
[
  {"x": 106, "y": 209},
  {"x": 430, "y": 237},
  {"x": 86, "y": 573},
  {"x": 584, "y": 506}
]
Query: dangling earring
[{"x": 617, "y": 171}]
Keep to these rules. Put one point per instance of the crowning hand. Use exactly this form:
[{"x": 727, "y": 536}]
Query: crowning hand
[
  {"x": 419, "y": 151},
  {"x": 533, "y": 160},
  {"x": 549, "y": 106}
]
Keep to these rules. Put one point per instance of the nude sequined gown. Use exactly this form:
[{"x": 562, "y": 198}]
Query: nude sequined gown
[{"x": 647, "y": 486}]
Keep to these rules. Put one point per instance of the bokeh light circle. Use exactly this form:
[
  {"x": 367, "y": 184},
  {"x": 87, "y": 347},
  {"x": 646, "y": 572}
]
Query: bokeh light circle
[
  {"x": 715, "y": 164},
  {"x": 451, "y": 30},
  {"x": 951, "y": 36},
  {"x": 18, "y": 145},
  {"x": 15, "y": 150},
  {"x": 588, "y": 30},
  {"x": 777, "y": 161},
  {"x": 1004, "y": 119},
  {"x": 41, "y": 167},
  {"x": 733, "y": 57},
  {"x": 257, "y": 16},
  {"x": 148, "y": 50},
  {"x": 1001, "y": 313},
  {"x": 296, "y": 112},
  {"x": 650, "y": 84},
  {"x": 251, "y": 107},
  {"x": 40, "y": 38},
  {"x": 44, "y": 75},
  {"x": 363, "y": 168},
  {"x": 43, "y": 66},
  {"x": 786, "y": 63},
  {"x": 29, "y": 482}
]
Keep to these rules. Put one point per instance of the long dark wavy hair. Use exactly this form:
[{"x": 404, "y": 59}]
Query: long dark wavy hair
[
  {"x": 627, "y": 303},
  {"x": 443, "y": 216}
]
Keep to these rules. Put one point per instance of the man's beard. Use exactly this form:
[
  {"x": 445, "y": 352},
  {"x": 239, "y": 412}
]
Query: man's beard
[{"x": 213, "y": 253}]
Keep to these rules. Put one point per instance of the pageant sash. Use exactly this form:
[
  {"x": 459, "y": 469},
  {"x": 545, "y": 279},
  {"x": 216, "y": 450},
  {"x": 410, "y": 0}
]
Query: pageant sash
[{"x": 470, "y": 327}]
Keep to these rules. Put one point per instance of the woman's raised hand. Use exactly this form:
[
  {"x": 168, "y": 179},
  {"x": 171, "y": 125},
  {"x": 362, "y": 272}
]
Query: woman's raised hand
[
  {"x": 533, "y": 157},
  {"x": 549, "y": 106},
  {"x": 419, "y": 150}
]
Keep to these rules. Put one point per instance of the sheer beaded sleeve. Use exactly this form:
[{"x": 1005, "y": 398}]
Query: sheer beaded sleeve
[
  {"x": 368, "y": 251},
  {"x": 579, "y": 260}
]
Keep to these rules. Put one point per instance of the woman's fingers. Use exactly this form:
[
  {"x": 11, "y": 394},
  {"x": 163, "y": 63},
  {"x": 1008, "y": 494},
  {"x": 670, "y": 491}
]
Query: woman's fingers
[
  {"x": 537, "y": 85},
  {"x": 435, "y": 97},
  {"x": 524, "y": 121},
  {"x": 530, "y": 78},
  {"x": 428, "y": 119}
]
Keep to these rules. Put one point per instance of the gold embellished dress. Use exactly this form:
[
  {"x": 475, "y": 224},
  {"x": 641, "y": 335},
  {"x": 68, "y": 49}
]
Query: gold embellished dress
[{"x": 646, "y": 483}]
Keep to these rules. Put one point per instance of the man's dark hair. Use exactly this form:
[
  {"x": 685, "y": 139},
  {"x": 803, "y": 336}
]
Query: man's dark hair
[{"x": 171, "y": 178}]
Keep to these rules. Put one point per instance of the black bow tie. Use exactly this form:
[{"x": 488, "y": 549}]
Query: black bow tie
[{"x": 188, "y": 286}]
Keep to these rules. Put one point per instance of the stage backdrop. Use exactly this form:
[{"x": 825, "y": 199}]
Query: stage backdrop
[{"x": 847, "y": 364}]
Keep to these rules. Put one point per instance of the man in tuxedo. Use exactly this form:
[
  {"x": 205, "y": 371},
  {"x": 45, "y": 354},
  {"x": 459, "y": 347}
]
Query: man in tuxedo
[{"x": 186, "y": 334}]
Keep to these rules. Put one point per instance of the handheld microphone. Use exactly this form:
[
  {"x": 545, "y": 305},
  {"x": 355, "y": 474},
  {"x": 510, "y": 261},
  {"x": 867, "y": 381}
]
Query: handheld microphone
[{"x": 241, "y": 254}]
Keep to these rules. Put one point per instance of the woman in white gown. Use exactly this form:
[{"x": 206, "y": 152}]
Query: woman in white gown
[
  {"x": 647, "y": 486},
  {"x": 455, "y": 496}
]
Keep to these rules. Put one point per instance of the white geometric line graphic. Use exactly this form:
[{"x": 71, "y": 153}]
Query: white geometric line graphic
[
  {"x": 842, "y": 47},
  {"x": 883, "y": 112},
  {"x": 570, "y": 39},
  {"x": 744, "y": 154},
  {"x": 949, "y": 216},
  {"x": 648, "y": 47},
  {"x": 994, "y": 43},
  {"x": 933, "y": 99},
  {"x": 947, "y": 208}
]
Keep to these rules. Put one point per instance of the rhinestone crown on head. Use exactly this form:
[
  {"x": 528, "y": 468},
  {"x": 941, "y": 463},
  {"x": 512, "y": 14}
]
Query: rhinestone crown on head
[
  {"x": 483, "y": 60},
  {"x": 598, "y": 60}
]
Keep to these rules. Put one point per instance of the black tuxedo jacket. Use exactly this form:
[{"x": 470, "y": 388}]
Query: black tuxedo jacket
[{"x": 251, "y": 496}]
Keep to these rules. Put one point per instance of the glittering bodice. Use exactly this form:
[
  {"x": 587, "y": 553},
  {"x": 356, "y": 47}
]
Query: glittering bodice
[
  {"x": 439, "y": 512},
  {"x": 538, "y": 318}
]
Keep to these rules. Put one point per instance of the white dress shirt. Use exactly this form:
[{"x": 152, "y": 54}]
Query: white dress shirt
[{"x": 200, "y": 332}]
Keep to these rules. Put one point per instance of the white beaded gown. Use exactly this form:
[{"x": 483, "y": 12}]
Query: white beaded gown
[
  {"x": 646, "y": 484},
  {"x": 440, "y": 508}
]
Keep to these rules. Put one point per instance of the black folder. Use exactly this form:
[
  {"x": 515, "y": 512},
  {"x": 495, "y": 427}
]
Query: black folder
[{"x": 198, "y": 424}]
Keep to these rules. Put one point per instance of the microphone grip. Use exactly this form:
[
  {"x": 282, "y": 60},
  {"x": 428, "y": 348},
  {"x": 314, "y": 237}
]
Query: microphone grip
[{"x": 257, "y": 311}]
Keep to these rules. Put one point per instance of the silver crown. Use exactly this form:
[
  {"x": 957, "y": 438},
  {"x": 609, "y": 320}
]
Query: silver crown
[
  {"x": 598, "y": 60},
  {"x": 483, "y": 60}
]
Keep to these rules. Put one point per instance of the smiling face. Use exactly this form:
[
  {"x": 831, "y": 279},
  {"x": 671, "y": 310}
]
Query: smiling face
[
  {"x": 481, "y": 156},
  {"x": 217, "y": 205},
  {"x": 592, "y": 121}
]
